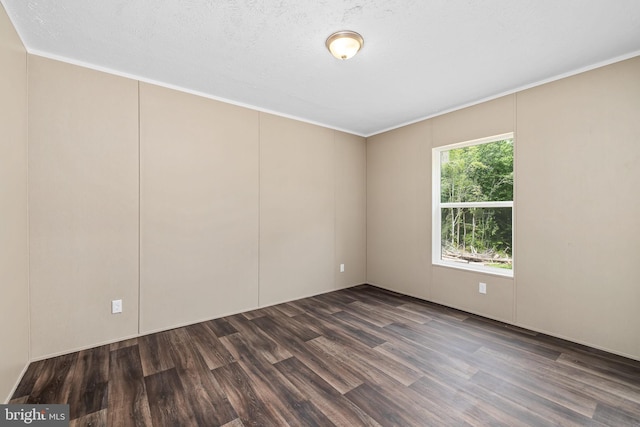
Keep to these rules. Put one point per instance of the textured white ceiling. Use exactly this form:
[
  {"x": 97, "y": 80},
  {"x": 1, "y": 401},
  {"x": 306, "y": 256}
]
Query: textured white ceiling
[{"x": 420, "y": 57}]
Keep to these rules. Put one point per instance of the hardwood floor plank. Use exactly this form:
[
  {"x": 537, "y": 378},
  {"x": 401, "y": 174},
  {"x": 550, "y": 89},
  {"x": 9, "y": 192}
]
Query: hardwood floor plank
[
  {"x": 288, "y": 309},
  {"x": 532, "y": 381},
  {"x": 361, "y": 324},
  {"x": 154, "y": 353},
  {"x": 122, "y": 344},
  {"x": 572, "y": 380},
  {"x": 492, "y": 331},
  {"x": 306, "y": 414},
  {"x": 375, "y": 296},
  {"x": 33, "y": 372},
  {"x": 88, "y": 391},
  {"x": 411, "y": 316},
  {"x": 339, "y": 301},
  {"x": 275, "y": 388},
  {"x": 386, "y": 307},
  {"x": 430, "y": 411},
  {"x": 427, "y": 361},
  {"x": 252, "y": 314},
  {"x": 616, "y": 417},
  {"x": 448, "y": 335},
  {"x": 367, "y": 314},
  {"x": 602, "y": 391},
  {"x": 468, "y": 409},
  {"x": 391, "y": 298},
  {"x": 241, "y": 392},
  {"x": 489, "y": 335},
  {"x": 459, "y": 348},
  {"x": 579, "y": 350},
  {"x": 127, "y": 396},
  {"x": 94, "y": 419},
  {"x": 300, "y": 330},
  {"x": 336, "y": 407},
  {"x": 480, "y": 407},
  {"x": 367, "y": 362},
  {"x": 235, "y": 423},
  {"x": 335, "y": 372},
  {"x": 333, "y": 328},
  {"x": 19, "y": 400},
  {"x": 208, "y": 400},
  {"x": 220, "y": 327},
  {"x": 310, "y": 305},
  {"x": 375, "y": 403},
  {"x": 54, "y": 380},
  {"x": 168, "y": 402},
  {"x": 437, "y": 338},
  {"x": 553, "y": 412},
  {"x": 209, "y": 346},
  {"x": 435, "y": 311},
  {"x": 270, "y": 348},
  {"x": 602, "y": 367}
]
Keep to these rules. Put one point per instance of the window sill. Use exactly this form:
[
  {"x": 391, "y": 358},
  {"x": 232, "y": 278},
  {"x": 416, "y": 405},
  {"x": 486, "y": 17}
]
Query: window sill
[{"x": 475, "y": 269}]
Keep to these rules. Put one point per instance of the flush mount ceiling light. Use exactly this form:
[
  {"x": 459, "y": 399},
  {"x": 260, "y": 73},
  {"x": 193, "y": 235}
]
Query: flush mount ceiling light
[{"x": 344, "y": 44}]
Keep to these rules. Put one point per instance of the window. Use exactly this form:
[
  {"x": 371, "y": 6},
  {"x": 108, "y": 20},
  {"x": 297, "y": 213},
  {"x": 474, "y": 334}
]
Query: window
[{"x": 473, "y": 205}]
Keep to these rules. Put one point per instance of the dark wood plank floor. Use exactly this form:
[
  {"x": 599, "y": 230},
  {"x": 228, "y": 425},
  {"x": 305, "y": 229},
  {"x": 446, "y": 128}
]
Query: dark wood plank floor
[{"x": 361, "y": 356}]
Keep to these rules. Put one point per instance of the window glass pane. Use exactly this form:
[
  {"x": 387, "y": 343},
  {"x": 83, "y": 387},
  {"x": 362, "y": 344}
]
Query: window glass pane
[
  {"x": 478, "y": 173},
  {"x": 480, "y": 236}
]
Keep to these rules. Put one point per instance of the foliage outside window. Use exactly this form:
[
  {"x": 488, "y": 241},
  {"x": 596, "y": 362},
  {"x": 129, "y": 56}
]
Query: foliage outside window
[{"x": 473, "y": 205}]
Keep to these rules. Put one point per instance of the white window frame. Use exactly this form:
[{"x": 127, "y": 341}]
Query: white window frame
[{"x": 437, "y": 207}]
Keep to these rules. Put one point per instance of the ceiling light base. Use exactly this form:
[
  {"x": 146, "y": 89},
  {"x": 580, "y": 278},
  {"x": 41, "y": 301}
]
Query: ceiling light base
[{"x": 344, "y": 44}]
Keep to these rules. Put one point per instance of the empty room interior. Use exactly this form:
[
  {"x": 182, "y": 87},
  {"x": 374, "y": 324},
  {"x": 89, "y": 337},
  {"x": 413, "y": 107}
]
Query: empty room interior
[{"x": 210, "y": 216}]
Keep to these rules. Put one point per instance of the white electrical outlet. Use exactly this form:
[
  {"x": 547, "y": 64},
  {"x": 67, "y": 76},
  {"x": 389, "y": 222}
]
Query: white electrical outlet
[
  {"x": 116, "y": 306},
  {"x": 341, "y": 268},
  {"x": 482, "y": 288}
]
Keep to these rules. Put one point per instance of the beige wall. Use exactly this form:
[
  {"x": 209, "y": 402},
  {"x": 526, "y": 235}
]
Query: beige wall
[
  {"x": 297, "y": 180},
  {"x": 241, "y": 209},
  {"x": 232, "y": 209},
  {"x": 83, "y": 206},
  {"x": 398, "y": 210},
  {"x": 350, "y": 210},
  {"x": 199, "y": 208},
  {"x": 577, "y": 151},
  {"x": 14, "y": 287},
  {"x": 312, "y": 209},
  {"x": 578, "y": 165}
]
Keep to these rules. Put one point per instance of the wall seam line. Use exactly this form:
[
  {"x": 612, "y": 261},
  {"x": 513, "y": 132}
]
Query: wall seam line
[
  {"x": 514, "y": 213},
  {"x": 139, "y": 217},
  {"x": 29, "y": 352},
  {"x": 335, "y": 211},
  {"x": 366, "y": 212},
  {"x": 259, "y": 203}
]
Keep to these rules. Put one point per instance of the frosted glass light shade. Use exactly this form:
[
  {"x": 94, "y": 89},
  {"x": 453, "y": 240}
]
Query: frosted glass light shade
[{"x": 344, "y": 44}]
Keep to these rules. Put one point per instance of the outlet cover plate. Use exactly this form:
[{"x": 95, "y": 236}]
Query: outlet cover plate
[
  {"x": 116, "y": 306},
  {"x": 482, "y": 288}
]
